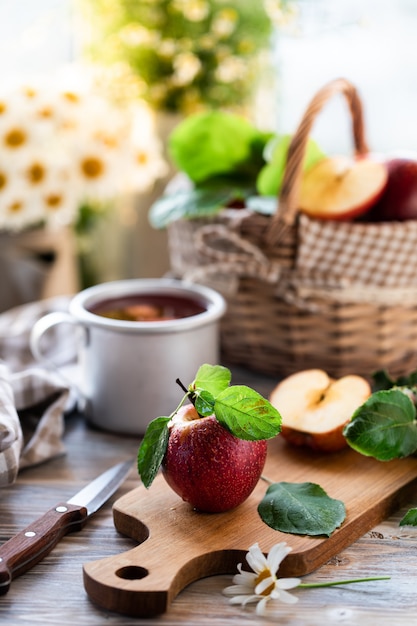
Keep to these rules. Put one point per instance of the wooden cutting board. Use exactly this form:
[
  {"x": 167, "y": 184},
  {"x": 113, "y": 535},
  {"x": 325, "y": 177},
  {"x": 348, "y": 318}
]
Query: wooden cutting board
[{"x": 179, "y": 545}]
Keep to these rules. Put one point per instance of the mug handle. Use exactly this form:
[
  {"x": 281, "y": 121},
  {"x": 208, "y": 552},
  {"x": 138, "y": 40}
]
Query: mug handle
[{"x": 42, "y": 326}]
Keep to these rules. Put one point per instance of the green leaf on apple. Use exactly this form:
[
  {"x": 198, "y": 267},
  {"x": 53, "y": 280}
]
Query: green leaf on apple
[
  {"x": 246, "y": 414},
  {"x": 204, "y": 403},
  {"x": 152, "y": 449},
  {"x": 212, "y": 378},
  {"x": 301, "y": 509},
  {"x": 384, "y": 427}
]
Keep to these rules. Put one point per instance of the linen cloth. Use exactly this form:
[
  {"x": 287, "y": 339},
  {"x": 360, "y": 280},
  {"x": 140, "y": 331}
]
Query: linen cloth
[{"x": 33, "y": 399}]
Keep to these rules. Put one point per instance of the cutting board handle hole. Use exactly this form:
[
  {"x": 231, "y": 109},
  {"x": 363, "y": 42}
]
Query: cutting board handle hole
[{"x": 132, "y": 572}]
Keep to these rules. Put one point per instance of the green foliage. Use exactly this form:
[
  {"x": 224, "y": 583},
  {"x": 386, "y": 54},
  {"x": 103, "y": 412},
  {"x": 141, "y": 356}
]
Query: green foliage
[
  {"x": 217, "y": 143},
  {"x": 384, "y": 427},
  {"x": 270, "y": 177},
  {"x": 410, "y": 518},
  {"x": 301, "y": 509},
  {"x": 246, "y": 413},
  {"x": 152, "y": 449},
  {"x": 183, "y": 54}
]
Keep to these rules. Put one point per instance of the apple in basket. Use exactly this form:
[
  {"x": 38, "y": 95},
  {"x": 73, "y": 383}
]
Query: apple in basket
[
  {"x": 399, "y": 200},
  {"x": 188, "y": 467},
  {"x": 342, "y": 188},
  {"x": 315, "y": 408}
]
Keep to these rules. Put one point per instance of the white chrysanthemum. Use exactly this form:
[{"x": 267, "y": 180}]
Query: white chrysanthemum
[
  {"x": 225, "y": 22},
  {"x": 98, "y": 170},
  {"x": 193, "y": 10},
  {"x": 61, "y": 145},
  {"x": 262, "y": 586},
  {"x": 186, "y": 67},
  {"x": 19, "y": 208},
  {"x": 231, "y": 69},
  {"x": 136, "y": 35}
]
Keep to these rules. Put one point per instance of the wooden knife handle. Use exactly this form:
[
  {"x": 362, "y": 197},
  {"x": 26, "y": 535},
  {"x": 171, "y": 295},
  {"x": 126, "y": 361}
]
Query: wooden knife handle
[{"x": 30, "y": 546}]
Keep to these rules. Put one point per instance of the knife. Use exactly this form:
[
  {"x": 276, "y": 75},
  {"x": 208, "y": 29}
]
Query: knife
[{"x": 29, "y": 546}]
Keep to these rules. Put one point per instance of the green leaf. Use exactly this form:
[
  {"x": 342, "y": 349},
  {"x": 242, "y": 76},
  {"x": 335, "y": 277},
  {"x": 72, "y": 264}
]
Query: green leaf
[
  {"x": 188, "y": 204},
  {"x": 384, "y": 427},
  {"x": 152, "y": 449},
  {"x": 301, "y": 509},
  {"x": 266, "y": 205},
  {"x": 271, "y": 175},
  {"x": 216, "y": 142},
  {"x": 204, "y": 403},
  {"x": 246, "y": 414},
  {"x": 410, "y": 518},
  {"x": 382, "y": 380},
  {"x": 212, "y": 378}
]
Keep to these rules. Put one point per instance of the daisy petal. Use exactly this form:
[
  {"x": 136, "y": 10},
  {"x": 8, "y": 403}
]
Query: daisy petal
[
  {"x": 243, "y": 600},
  {"x": 276, "y": 555},
  {"x": 261, "y": 606},
  {"x": 238, "y": 589},
  {"x": 288, "y": 583},
  {"x": 245, "y": 578},
  {"x": 286, "y": 597},
  {"x": 256, "y": 559}
]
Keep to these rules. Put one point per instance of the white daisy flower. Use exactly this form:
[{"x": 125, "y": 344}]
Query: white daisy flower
[
  {"x": 186, "y": 67},
  {"x": 63, "y": 145},
  {"x": 262, "y": 585},
  {"x": 19, "y": 208},
  {"x": 225, "y": 23}
]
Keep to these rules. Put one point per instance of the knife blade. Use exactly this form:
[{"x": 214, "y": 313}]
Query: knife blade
[{"x": 29, "y": 546}]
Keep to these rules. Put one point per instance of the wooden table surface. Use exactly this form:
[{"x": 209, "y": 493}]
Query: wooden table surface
[{"x": 52, "y": 593}]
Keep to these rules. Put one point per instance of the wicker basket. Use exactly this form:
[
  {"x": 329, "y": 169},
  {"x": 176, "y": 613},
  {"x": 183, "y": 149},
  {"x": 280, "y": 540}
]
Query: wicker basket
[{"x": 307, "y": 293}]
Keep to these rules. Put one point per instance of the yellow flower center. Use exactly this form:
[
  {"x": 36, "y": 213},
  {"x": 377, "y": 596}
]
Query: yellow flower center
[
  {"x": 92, "y": 167},
  {"x": 142, "y": 158},
  {"x": 71, "y": 96},
  {"x": 16, "y": 206},
  {"x": 3, "y": 108},
  {"x": 53, "y": 200},
  {"x": 264, "y": 574},
  {"x": 46, "y": 112},
  {"x": 36, "y": 173},
  {"x": 15, "y": 138},
  {"x": 29, "y": 92},
  {"x": 3, "y": 180}
]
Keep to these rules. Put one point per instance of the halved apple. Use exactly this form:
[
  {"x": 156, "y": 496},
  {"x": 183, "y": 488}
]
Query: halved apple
[
  {"x": 341, "y": 188},
  {"x": 315, "y": 408}
]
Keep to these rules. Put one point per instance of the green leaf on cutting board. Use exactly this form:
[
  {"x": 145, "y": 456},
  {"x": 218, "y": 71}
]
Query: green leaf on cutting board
[{"x": 301, "y": 509}]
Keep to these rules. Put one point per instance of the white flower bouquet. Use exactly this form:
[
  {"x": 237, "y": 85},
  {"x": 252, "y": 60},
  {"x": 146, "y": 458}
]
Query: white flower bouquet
[{"x": 63, "y": 148}]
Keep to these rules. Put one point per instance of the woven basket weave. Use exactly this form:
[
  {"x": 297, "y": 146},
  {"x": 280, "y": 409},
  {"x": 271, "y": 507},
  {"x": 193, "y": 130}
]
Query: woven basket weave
[{"x": 301, "y": 293}]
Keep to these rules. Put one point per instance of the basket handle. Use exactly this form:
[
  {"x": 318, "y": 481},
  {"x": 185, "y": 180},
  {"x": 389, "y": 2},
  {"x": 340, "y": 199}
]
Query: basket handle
[{"x": 288, "y": 199}]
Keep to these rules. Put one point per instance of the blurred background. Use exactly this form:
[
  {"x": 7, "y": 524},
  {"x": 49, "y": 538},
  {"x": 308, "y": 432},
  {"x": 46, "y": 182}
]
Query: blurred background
[{"x": 92, "y": 89}]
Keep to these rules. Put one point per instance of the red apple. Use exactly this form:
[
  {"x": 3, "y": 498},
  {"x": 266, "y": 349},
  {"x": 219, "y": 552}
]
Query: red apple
[
  {"x": 399, "y": 200},
  {"x": 341, "y": 188},
  {"x": 208, "y": 466},
  {"x": 315, "y": 408}
]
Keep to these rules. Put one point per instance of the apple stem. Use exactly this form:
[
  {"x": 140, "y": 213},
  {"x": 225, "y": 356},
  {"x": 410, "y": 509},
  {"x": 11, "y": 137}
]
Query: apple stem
[
  {"x": 267, "y": 480},
  {"x": 184, "y": 388}
]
